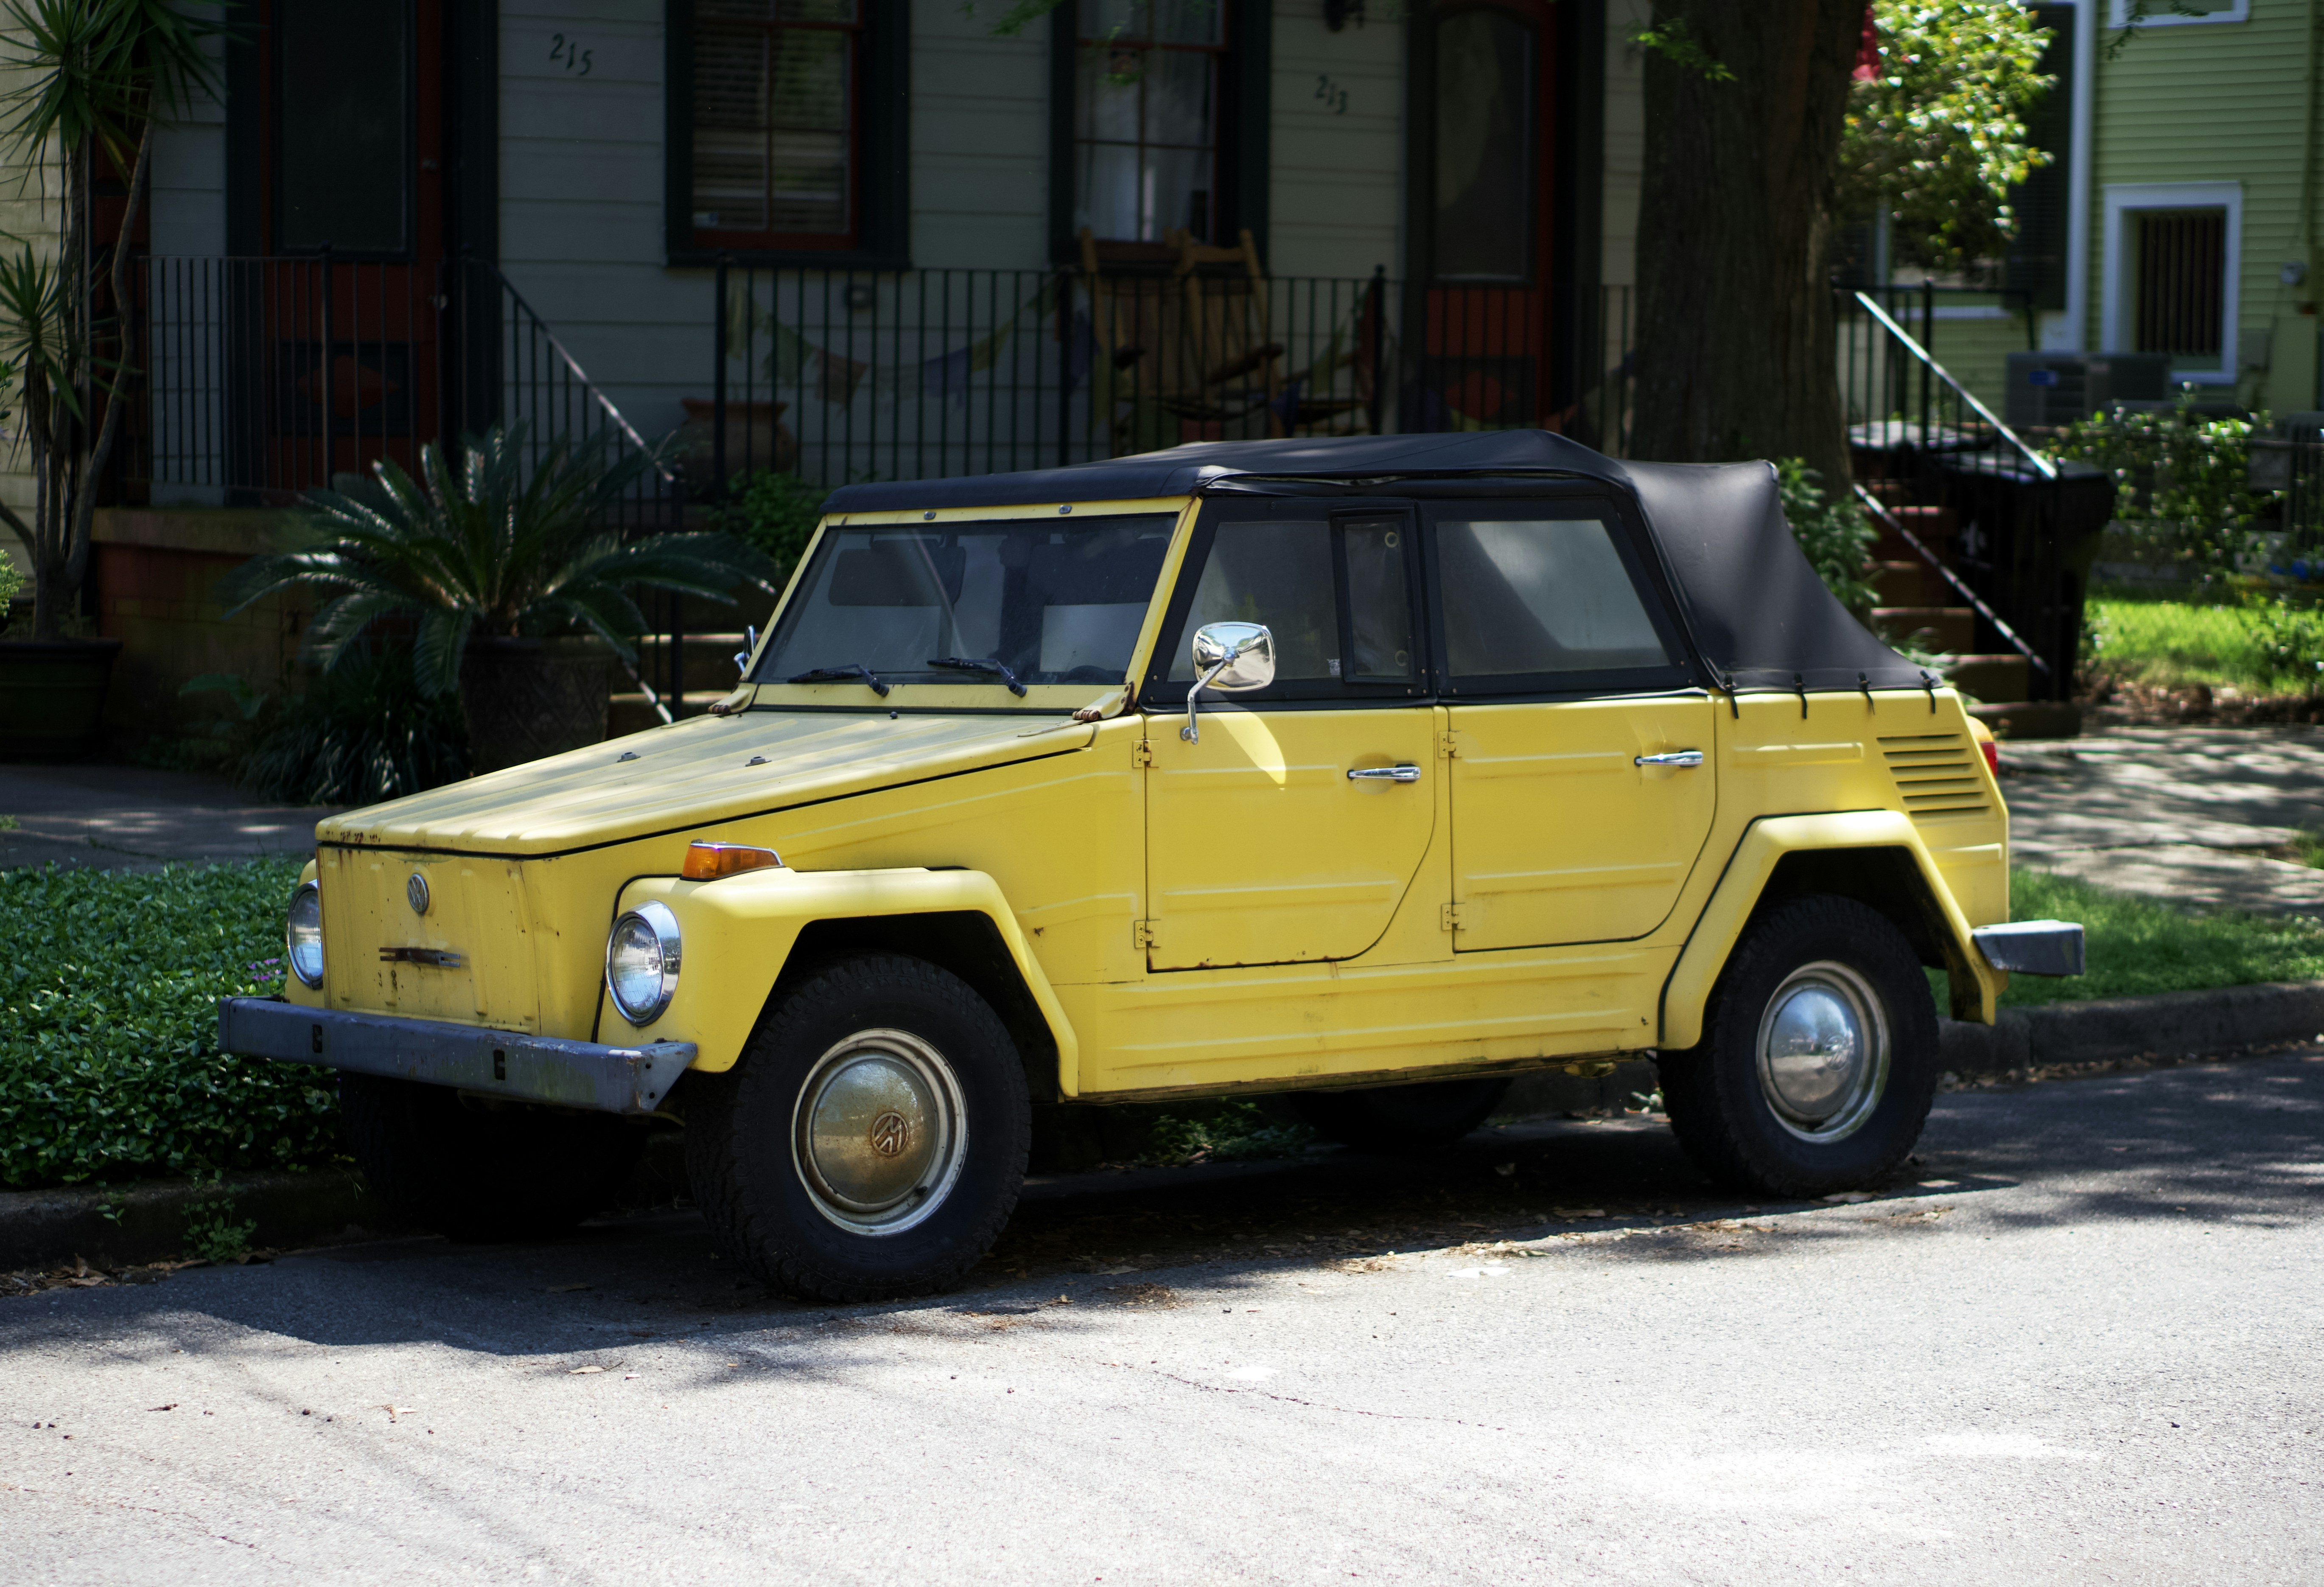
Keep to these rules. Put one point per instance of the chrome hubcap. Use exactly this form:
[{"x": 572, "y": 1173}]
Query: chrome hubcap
[
  {"x": 1823, "y": 1051},
  {"x": 877, "y": 1133}
]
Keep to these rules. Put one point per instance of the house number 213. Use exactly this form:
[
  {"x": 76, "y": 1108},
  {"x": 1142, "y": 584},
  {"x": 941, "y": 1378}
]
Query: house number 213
[
  {"x": 1334, "y": 97},
  {"x": 576, "y": 60}
]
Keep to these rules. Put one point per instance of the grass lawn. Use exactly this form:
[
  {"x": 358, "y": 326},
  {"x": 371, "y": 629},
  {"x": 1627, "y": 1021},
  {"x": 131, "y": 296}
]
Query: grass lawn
[
  {"x": 2137, "y": 946},
  {"x": 2163, "y": 642}
]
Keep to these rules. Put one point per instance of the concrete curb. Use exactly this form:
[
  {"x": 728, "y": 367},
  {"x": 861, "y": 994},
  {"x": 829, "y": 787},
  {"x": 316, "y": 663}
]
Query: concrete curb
[
  {"x": 41, "y": 1227},
  {"x": 2175, "y": 1023}
]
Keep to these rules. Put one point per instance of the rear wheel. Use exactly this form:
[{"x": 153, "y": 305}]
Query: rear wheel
[
  {"x": 872, "y": 1141},
  {"x": 1400, "y": 1118},
  {"x": 1818, "y": 1055},
  {"x": 477, "y": 1168}
]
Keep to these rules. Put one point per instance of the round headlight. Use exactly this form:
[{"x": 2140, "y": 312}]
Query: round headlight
[
  {"x": 641, "y": 962},
  {"x": 302, "y": 934}
]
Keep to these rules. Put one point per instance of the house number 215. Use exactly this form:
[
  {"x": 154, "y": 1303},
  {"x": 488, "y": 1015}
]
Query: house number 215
[{"x": 576, "y": 60}]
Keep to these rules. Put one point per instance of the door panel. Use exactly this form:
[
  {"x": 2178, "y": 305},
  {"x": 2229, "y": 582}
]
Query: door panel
[
  {"x": 1558, "y": 835},
  {"x": 1260, "y": 849}
]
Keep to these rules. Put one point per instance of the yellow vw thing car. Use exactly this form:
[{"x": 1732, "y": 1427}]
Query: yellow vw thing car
[{"x": 1371, "y": 770}]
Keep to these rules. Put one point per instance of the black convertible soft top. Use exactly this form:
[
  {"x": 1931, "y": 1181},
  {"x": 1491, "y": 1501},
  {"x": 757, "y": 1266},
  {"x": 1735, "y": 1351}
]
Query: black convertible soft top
[{"x": 1758, "y": 611}]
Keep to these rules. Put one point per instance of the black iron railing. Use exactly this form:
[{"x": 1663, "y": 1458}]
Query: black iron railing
[
  {"x": 265, "y": 378},
  {"x": 841, "y": 376},
  {"x": 1898, "y": 396}
]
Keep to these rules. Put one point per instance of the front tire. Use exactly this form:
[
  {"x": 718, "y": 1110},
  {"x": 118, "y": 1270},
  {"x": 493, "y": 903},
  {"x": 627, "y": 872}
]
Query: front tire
[
  {"x": 477, "y": 1169},
  {"x": 1818, "y": 1060},
  {"x": 870, "y": 1143}
]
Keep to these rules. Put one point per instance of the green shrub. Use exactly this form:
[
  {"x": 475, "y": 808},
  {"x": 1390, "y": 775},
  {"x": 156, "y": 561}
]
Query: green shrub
[
  {"x": 2180, "y": 483},
  {"x": 109, "y": 1066},
  {"x": 775, "y": 514},
  {"x": 363, "y": 732},
  {"x": 1835, "y": 535}
]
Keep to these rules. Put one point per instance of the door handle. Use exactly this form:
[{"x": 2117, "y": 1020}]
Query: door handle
[
  {"x": 1405, "y": 773},
  {"x": 1671, "y": 758}
]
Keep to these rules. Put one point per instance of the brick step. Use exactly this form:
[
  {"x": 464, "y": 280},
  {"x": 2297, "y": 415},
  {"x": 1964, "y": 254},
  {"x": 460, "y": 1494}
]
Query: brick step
[
  {"x": 1996, "y": 679},
  {"x": 1949, "y": 629},
  {"x": 1908, "y": 581},
  {"x": 631, "y": 713}
]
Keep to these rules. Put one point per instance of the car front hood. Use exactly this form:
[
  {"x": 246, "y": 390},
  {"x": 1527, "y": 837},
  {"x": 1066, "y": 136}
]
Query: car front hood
[{"x": 703, "y": 770}]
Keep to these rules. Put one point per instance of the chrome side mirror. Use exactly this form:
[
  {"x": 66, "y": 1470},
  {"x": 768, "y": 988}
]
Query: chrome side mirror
[
  {"x": 749, "y": 643},
  {"x": 1228, "y": 657}
]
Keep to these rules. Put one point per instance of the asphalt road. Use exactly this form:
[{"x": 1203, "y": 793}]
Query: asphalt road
[{"x": 2078, "y": 1341}]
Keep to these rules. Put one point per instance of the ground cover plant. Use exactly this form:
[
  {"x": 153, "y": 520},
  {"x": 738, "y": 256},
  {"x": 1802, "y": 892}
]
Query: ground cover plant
[
  {"x": 109, "y": 1068},
  {"x": 2137, "y": 946}
]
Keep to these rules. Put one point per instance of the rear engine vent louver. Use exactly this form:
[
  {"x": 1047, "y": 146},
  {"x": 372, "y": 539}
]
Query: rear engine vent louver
[{"x": 1937, "y": 773}]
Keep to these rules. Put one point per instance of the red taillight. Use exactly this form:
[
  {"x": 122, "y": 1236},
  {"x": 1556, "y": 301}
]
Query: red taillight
[
  {"x": 707, "y": 861},
  {"x": 1992, "y": 755}
]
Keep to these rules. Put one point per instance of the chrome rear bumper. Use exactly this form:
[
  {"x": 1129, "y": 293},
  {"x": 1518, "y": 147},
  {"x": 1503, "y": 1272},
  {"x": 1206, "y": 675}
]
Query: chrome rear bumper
[
  {"x": 501, "y": 1063},
  {"x": 2033, "y": 948}
]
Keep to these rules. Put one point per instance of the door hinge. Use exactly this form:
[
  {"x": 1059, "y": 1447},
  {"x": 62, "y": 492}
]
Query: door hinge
[
  {"x": 1448, "y": 745},
  {"x": 1451, "y": 916},
  {"x": 1141, "y": 934},
  {"x": 1142, "y": 753}
]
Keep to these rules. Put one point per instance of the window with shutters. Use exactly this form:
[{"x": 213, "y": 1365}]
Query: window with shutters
[{"x": 786, "y": 128}]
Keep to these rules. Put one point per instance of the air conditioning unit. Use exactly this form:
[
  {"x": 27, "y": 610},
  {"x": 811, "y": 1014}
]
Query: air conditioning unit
[{"x": 2058, "y": 388}]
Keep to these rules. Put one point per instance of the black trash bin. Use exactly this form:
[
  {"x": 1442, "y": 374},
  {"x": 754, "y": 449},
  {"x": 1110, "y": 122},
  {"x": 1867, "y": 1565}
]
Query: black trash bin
[{"x": 2025, "y": 546}]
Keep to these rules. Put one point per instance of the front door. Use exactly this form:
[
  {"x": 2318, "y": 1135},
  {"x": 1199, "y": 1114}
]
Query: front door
[
  {"x": 1486, "y": 160},
  {"x": 1293, "y": 829},
  {"x": 1581, "y": 775},
  {"x": 338, "y": 325}
]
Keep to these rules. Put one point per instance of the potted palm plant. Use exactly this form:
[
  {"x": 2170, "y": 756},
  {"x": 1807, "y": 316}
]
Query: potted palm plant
[
  {"x": 508, "y": 573},
  {"x": 93, "y": 79}
]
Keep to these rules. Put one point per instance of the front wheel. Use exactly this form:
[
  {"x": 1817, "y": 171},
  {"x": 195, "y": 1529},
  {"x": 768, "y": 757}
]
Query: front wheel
[
  {"x": 1818, "y": 1060},
  {"x": 872, "y": 1141}
]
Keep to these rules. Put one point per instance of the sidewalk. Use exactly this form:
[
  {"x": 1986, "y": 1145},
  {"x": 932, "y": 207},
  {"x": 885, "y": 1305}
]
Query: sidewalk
[
  {"x": 130, "y": 818},
  {"x": 2198, "y": 815}
]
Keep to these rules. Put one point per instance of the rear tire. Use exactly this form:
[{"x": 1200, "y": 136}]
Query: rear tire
[
  {"x": 1400, "y": 1118},
  {"x": 870, "y": 1143},
  {"x": 477, "y": 1169},
  {"x": 1818, "y": 1060}
]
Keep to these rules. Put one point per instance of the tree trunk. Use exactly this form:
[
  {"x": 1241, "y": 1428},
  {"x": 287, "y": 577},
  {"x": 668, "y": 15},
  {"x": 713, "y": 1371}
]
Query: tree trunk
[{"x": 1735, "y": 356}]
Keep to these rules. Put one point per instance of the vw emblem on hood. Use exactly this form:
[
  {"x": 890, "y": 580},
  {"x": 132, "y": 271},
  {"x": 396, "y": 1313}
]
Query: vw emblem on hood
[{"x": 416, "y": 892}]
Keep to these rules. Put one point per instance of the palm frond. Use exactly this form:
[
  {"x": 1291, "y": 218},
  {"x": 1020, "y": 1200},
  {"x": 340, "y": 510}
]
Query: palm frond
[{"x": 509, "y": 535}]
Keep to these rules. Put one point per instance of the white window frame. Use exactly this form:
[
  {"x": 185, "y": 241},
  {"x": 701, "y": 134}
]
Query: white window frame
[
  {"x": 2125, "y": 199},
  {"x": 2162, "y": 16}
]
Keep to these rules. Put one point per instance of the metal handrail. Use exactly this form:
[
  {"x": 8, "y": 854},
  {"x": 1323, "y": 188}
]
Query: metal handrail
[
  {"x": 539, "y": 327},
  {"x": 2048, "y": 469}
]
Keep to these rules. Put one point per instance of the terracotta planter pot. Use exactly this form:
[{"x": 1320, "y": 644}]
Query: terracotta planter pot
[
  {"x": 525, "y": 698},
  {"x": 53, "y": 697},
  {"x": 756, "y": 440}
]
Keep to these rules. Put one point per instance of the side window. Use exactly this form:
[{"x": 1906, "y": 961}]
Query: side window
[
  {"x": 1535, "y": 596},
  {"x": 1275, "y": 572},
  {"x": 1336, "y": 595}
]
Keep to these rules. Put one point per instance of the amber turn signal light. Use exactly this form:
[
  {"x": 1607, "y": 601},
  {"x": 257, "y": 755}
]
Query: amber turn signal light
[{"x": 707, "y": 861}]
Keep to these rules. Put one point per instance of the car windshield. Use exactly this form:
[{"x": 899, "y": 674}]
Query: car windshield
[{"x": 1052, "y": 602}]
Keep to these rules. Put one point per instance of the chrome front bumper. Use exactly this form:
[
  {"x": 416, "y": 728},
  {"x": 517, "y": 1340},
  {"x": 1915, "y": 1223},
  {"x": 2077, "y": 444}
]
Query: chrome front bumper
[
  {"x": 500, "y": 1063},
  {"x": 2031, "y": 947}
]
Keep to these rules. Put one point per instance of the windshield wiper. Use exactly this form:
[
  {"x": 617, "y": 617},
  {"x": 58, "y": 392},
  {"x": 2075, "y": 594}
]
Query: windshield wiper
[
  {"x": 977, "y": 664},
  {"x": 839, "y": 675}
]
